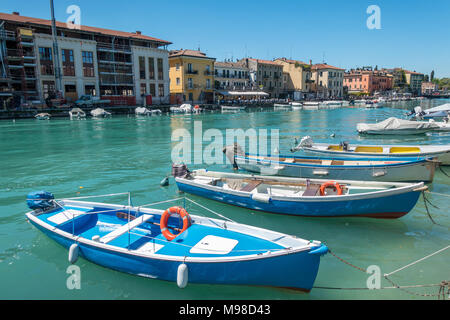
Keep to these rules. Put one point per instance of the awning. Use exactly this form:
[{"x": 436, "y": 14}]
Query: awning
[{"x": 242, "y": 93}]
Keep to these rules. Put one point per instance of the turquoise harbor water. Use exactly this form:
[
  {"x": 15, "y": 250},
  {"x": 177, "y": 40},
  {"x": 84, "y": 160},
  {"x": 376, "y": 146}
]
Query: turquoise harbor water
[{"x": 121, "y": 154}]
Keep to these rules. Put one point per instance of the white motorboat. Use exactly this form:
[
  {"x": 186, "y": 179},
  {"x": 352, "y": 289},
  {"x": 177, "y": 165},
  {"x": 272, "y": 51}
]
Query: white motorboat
[
  {"x": 232, "y": 108},
  {"x": 184, "y": 108},
  {"x": 77, "y": 113},
  {"x": 393, "y": 126},
  {"x": 43, "y": 116},
  {"x": 311, "y": 105},
  {"x": 100, "y": 113},
  {"x": 141, "y": 111}
]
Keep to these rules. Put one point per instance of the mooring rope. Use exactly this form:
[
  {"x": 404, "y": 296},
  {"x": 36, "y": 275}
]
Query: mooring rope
[
  {"x": 444, "y": 286},
  {"x": 442, "y": 170}
]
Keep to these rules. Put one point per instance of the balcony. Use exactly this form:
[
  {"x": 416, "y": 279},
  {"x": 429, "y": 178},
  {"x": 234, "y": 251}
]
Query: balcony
[
  {"x": 208, "y": 73},
  {"x": 7, "y": 35},
  {"x": 109, "y": 47},
  {"x": 191, "y": 71}
]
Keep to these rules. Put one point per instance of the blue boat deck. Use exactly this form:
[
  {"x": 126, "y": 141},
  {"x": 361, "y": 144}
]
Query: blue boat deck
[{"x": 197, "y": 241}]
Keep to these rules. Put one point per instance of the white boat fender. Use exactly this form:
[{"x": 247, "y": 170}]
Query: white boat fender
[
  {"x": 73, "y": 253},
  {"x": 182, "y": 276},
  {"x": 265, "y": 198}
]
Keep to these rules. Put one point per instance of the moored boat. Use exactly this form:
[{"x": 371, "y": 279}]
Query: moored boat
[
  {"x": 174, "y": 246},
  {"x": 365, "y": 169},
  {"x": 43, "y": 116},
  {"x": 77, "y": 113},
  {"x": 100, "y": 113},
  {"x": 344, "y": 149},
  {"x": 304, "y": 197},
  {"x": 395, "y": 126},
  {"x": 232, "y": 108}
]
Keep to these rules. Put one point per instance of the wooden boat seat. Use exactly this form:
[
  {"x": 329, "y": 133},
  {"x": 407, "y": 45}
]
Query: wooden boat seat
[
  {"x": 66, "y": 215},
  {"x": 289, "y": 160},
  {"x": 311, "y": 190},
  {"x": 125, "y": 228},
  {"x": 252, "y": 185},
  {"x": 404, "y": 150},
  {"x": 327, "y": 162},
  {"x": 337, "y": 163},
  {"x": 336, "y": 148},
  {"x": 369, "y": 149}
]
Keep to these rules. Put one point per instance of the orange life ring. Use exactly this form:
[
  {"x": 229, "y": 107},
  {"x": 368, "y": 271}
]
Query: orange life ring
[
  {"x": 165, "y": 218},
  {"x": 329, "y": 184}
]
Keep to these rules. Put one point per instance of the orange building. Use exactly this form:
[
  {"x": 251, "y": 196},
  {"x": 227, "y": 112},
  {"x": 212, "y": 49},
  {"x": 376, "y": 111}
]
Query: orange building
[{"x": 367, "y": 81}]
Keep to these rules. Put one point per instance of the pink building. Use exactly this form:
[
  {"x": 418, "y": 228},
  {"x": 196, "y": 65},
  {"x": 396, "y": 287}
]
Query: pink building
[{"x": 367, "y": 81}]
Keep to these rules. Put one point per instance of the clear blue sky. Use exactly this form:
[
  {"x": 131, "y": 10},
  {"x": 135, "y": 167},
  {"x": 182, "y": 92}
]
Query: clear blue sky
[{"x": 414, "y": 33}]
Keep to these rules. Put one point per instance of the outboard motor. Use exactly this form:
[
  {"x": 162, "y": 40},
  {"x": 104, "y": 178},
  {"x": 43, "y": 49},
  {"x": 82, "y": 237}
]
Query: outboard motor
[
  {"x": 344, "y": 145},
  {"x": 232, "y": 151},
  {"x": 180, "y": 171},
  {"x": 40, "y": 200}
]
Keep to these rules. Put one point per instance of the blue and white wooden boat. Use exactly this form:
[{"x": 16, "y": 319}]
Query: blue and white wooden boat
[
  {"x": 336, "y": 168},
  {"x": 210, "y": 251},
  {"x": 304, "y": 197},
  {"x": 441, "y": 152}
]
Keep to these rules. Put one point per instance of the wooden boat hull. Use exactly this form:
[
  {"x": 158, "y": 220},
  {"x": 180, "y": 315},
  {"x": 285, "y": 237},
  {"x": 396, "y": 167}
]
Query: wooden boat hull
[
  {"x": 296, "y": 268},
  {"x": 408, "y": 171},
  {"x": 388, "y": 204}
]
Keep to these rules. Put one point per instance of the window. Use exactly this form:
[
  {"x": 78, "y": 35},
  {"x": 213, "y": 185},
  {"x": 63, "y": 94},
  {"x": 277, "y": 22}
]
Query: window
[
  {"x": 190, "y": 83},
  {"x": 160, "y": 69},
  {"x": 68, "y": 63},
  {"x": 177, "y": 66},
  {"x": 143, "y": 89},
  {"x": 46, "y": 61},
  {"x": 178, "y": 81},
  {"x": 189, "y": 67},
  {"x": 90, "y": 89},
  {"x": 142, "y": 68},
  {"x": 151, "y": 68},
  {"x": 208, "y": 83},
  {"x": 161, "y": 90},
  {"x": 48, "y": 87},
  {"x": 152, "y": 89},
  {"x": 88, "y": 64}
]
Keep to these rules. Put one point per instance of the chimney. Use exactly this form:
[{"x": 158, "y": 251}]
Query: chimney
[
  {"x": 16, "y": 13},
  {"x": 138, "y": 32}
]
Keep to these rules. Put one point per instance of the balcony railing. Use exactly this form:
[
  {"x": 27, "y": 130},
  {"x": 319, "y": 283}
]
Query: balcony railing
[
  {"x": 191, "y": 71},
  {"x": 101, "y": 46},
  {"x": 7, "y": 35}
]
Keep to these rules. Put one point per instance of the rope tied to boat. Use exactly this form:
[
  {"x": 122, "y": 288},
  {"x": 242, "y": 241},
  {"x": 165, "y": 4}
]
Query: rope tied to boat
[
  {"x": 444, "y": 286},
  {"x": 442, "y": 170},
  {"x": 426, "y": 201}
]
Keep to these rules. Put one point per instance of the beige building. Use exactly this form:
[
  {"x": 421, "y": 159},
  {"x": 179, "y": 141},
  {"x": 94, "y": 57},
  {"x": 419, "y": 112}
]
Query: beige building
[
  {"x": 328, "y": 81},
  {"x": 414, "y": 80},
  {"x": 231, "y": 76},
  {"x": 267, "y": 75},
  {"x": 297, "y": 78},
  {"x": 429, "y": 88}
]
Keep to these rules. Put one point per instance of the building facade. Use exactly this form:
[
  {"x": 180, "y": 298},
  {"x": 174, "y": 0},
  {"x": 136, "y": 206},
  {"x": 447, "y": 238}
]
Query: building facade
[
  {"x": 297, "y": 76},
  {"x": 231, "y": 76},
  {"x": 267, "y": 75},
  {"x": 328, "y": 81},
  {"x": 414, "y": 80},
  {"x": 191, "y": 77},
  {"x": 93, "y": 61},
  {"x": 429, "y": 88},
  {"x": 367, "y": 81}
]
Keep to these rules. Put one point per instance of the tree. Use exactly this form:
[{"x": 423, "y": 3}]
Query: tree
[{"x": 432, "y": 75}]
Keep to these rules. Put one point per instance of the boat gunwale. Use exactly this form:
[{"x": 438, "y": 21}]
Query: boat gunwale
[
  {"x": 269, "y": 254},
  {"x": 401, "y": 189},
  {"x": 409, "y": 162}
]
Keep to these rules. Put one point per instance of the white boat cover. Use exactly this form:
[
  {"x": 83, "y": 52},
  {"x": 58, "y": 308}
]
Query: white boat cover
[
  {"x": 142, "y": 110},
  {"x": 99, "y": 112},
  {"x": 395, "y": 124},
  {"x": 444, "y": 107}
]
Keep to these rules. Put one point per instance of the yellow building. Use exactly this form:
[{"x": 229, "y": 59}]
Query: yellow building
[
  {"x": 297, "y": 78},
  {"x": 191, "y": 76}
]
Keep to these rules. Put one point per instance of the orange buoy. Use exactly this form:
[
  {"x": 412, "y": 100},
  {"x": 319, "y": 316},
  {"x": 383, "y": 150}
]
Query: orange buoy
[
  {"x": 165, "y": 218},
  {"x": 330, "y": 184}
]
